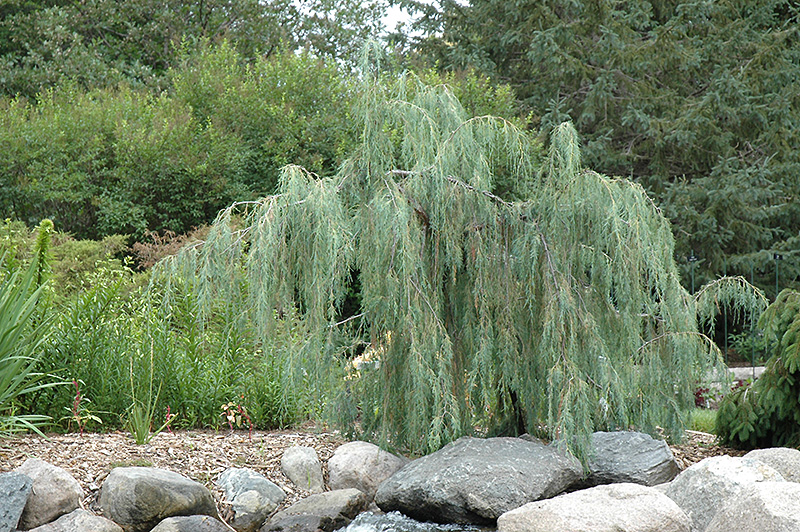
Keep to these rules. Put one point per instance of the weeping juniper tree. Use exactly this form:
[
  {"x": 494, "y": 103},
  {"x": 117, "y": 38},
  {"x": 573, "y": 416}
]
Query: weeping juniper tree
[{"x": 557, "y": 313}]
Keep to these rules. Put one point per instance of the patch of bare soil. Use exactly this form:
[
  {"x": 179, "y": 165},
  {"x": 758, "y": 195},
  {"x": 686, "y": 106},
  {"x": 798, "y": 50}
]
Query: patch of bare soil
[
  {"x": 203, "y": 454},
  {"x": 700, "y": 445}
]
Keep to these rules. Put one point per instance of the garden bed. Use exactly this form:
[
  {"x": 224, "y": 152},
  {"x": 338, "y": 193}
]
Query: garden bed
[{"x": 203, "y": 454}]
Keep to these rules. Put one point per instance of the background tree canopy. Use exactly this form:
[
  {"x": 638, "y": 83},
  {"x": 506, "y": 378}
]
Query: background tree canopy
[
  {"x": 98, "y": 43},
  {"x": 697, "y": 101}
]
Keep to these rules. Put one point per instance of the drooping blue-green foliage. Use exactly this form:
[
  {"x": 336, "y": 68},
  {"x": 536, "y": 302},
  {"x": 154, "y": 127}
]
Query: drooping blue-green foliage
[{"x": 558, "y": 313}]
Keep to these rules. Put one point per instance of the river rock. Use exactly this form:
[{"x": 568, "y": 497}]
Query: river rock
[
  {"x": 629, "y": 457},
  {"x": 137, "y": 498},
  {"x": 474, "y": 480},
  {"x": 79, "y": 521},
  {"x": 54, "y": 493},
  {"x": 706, "y": 487},
  {"x": 362, "y": 466},
  {"x": 784, "y": 460},
  {"x": 762, "y": 507},
  {"x": 14, "y": 490},
  {"x": 191, "y": 523},
  {"x": 301, "y": 465},
  {"x": 607, "y": 508},
  {"x": 252, "y": 497},
  {"x": 326, "y": 511}
]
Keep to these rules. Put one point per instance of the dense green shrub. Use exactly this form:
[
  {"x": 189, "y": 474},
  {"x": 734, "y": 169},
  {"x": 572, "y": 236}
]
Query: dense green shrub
[
  {"x": 767, "y": 413},
  {"x": 288, "y": 108},
  {"x": 113, "y": 161}
]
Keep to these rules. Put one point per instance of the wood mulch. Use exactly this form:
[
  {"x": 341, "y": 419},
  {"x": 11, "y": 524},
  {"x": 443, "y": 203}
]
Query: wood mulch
[
  {"x": 203, "y": 454},
  {"x": 198, "y": 454}
]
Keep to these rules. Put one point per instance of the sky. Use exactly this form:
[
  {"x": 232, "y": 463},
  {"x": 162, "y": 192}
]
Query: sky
[{"x": 395, "y": 15}]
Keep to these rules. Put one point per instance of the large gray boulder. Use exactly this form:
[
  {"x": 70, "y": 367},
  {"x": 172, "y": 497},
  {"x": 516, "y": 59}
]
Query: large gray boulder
[
  {"x": 252, "y": 497},
  {"x": 705, "y": 488},
  {"x": 191, "y": 523},
  {"x": 784, "y": 460},
  {"x": 79, "y": 521},
  {"x": 363, "y": 466},
  {"x": 629, "y": 457},
  {"x": 475, "y": 480},
  {"x": 14, "y": 490},
  {"x": 326, "y": 511},
  {"x": 55, "y": 492},
  {"x": 762, "y": 507},
  {"x": 607, "y": 508},
  {"x": 301, "y": 465},
  {"x": 138, "y": 498}
]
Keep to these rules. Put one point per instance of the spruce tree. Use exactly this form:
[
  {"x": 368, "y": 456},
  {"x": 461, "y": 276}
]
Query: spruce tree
[{"x": 558, "y": 314}]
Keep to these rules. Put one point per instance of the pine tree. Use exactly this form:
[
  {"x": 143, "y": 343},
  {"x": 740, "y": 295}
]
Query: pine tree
[
  {"x": 557, "y": 314},
  {"x": 698, "y": 102}
]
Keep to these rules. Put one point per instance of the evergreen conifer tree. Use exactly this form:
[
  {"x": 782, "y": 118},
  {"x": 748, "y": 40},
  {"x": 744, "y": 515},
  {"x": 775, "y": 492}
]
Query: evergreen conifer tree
[{"x": 557, "y": 314}]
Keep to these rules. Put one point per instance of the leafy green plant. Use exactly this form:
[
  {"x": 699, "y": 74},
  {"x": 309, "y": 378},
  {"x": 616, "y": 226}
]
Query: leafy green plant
[
  {"x": 80, "y": 414},
  {"x": 21, "y": 336}
]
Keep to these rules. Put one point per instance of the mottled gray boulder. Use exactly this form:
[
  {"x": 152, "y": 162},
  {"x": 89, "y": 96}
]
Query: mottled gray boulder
[
  {"x": 706, "y": 487},
  {"x": 762, "y": 507},
  {"x": 191, "y": 523},
  {"x": 301, "y": 465},
  {"x": 629, "y": 457},
  {"x": 79, "y": 521},
  {"x": 475, "y": 480},
  {"x": 782, "y": 459},
  {"x": 252, "y": 497},
  {"x": 608, "y": 508},
  {"x": 362, "y": 466},
  {"x": 14, "y": 490},
  {"x": 326, "y": 511},
  {"x": 138, "y": 498},
  {"x": 55, "y": 493}
]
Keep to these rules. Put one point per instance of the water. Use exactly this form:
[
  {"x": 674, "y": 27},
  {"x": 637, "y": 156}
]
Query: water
[{"x": 397, "y": 522}]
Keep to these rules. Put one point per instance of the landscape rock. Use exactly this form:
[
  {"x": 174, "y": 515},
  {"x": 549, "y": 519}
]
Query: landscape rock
[
  {"x": 138, "y": 498},
  {"x": 301, "y": 465},
  {"x": 191, "y": 523},
  {"x": 326, "y": 511},
  {"x": 607, "y": 508},
  {"x": 79, "y": 521},
  {"x": 54, "y": 493},
  {"x": 784, "y": 460},
  {"x": 629, "y": 457},
  {"x": 762, "y": 507},
  {"x": 14, "y": 490},
  {"x": 474, "y": 480},
  {"x": 706, "y": 487},
  {"x": 362, "y": 466},
  {"x": 252, "y": 497}
]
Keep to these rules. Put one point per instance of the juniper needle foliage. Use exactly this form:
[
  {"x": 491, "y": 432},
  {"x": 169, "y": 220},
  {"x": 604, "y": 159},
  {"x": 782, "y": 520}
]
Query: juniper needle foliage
[{"x": 558, "y": 314}]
